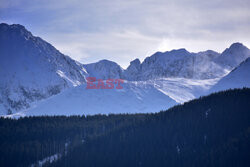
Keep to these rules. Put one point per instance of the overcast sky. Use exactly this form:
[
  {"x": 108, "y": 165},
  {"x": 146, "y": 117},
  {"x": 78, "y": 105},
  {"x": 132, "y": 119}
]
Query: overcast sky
[{"x": 122, "y": 30}]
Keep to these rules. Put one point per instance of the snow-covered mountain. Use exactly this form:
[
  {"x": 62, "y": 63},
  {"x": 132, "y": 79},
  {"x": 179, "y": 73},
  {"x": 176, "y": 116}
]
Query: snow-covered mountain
[
  {"x": 237, "y": 78},
  {"x": 175, "y": 64},
  {"x": 32, "y": 69},
  {"x": 181, "y": 63}
]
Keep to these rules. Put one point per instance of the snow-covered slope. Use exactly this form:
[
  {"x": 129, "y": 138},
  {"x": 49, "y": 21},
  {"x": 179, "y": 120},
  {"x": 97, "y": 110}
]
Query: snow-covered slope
[
  {"x": 238, "y": 78},
  {"x": 135, "y": 97},
  {"x": 32, "y": 69},
  {"x": 183, "y": 89}
]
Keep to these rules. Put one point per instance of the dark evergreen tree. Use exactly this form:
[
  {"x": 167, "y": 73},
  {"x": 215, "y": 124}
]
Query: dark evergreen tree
[{"x": 209, "y": 131}]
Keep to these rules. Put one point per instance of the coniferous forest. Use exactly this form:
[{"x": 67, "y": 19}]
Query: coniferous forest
[{"x": 209, "y": 131}]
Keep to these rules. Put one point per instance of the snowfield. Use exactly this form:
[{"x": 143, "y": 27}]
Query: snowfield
[
  {"x": 133, "y": 98},
  {"x": 183, "y": 89}
]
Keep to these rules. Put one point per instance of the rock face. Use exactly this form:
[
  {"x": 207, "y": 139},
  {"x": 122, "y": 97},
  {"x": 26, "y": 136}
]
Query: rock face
[{"x": 32, "y": 69}]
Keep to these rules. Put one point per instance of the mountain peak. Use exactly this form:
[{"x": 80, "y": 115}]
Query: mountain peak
[
  {"x": 12, "y": 25},
  {"x": 105, "y": 61},
  {"x": 135, "y": 62},
  {"x": 9, "y": 27},
  {"x": 4, "y": 25},
  {"x": 236, "y": 45},
  {"x": 104, "y": 69},
  {"x": 103, "y": 64},
  {"x": 134, "y": 65},
  {"x": 14, "y": 30},
  {"x": 234, "y": 55}
]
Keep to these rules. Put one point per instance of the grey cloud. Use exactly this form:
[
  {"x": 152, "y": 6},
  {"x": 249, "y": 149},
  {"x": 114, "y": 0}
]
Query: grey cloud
[{"x": 123, "y": 30}]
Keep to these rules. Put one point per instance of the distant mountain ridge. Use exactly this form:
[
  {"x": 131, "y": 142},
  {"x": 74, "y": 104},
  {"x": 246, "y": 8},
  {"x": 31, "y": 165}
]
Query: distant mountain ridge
[
  {"x": 32, "y": 69},
  {"x": 181, "y": 63},
  {"x": 176, "y": 63}
]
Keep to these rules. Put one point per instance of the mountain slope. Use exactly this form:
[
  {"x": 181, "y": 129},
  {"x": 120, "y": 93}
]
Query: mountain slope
[
  {"x": 32, "y": 69},
  {"x": 183, "y": 89},
  {"x": 238, "y": 78},
  {"x": 133, "y": 98}
]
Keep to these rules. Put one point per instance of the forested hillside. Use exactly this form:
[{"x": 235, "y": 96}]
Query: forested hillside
[
  {"x": 209, "y": 131},
  {"x": 30, "y": 139}
]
